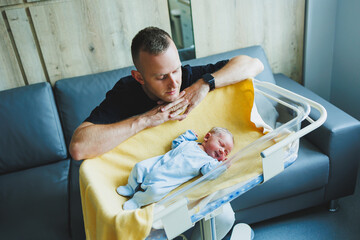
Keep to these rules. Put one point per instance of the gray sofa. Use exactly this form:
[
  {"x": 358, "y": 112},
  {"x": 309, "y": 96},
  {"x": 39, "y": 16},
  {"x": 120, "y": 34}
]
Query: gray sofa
[{"x": 39, "y": 188}]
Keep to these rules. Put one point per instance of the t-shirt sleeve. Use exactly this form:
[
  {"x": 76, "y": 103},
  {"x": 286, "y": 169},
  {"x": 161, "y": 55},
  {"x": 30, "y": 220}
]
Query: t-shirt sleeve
[
  {"x": 192, "y": 74},
  {"x": 109, "y": 110},
  {"x": 101, "y": 114}
]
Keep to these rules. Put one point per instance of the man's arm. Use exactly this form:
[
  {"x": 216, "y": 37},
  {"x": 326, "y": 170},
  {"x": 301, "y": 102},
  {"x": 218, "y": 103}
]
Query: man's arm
[
  {"x": 90, "y": 140},
  {"x": 237, "y": 69}
]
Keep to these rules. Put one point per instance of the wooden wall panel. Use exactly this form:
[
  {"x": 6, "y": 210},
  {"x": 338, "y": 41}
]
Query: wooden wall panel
[
  {"x": 10, "y": 73},
  {"x": 83, "y": 37},
  {"x": 26, "y": 46},
  {"x": 9, "y": 2},
  {"x": 277, "y": 25},
  {"x": 47, "y": 40}
]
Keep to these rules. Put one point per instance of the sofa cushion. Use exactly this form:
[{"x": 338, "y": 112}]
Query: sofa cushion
[
  {"x": 34, "y": 203},
  {"x": 254, "y": 51},
  {"x": 31, "y": 133}
]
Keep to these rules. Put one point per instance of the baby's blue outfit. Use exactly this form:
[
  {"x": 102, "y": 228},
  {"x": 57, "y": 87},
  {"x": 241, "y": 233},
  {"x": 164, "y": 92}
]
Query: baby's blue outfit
[{"x": 159, "y": 175}]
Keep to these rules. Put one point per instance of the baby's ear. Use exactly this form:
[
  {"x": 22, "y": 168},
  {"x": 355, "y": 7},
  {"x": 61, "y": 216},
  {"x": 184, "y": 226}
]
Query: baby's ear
[{"x": 207, "y": 136}]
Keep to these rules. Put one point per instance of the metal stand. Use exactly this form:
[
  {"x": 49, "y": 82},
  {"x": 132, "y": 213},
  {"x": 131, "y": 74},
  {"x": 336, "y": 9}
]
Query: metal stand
[
  {"x": 207, "y": 229},
  {"x": 334, "y": 205}
]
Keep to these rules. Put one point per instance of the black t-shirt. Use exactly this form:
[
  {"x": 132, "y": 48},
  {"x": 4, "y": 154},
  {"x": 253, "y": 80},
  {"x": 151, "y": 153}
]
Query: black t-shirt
[{"x": 127, "y": 98}]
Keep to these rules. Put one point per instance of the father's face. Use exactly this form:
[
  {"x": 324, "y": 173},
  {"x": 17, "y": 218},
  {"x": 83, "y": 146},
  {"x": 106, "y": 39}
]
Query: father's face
[{"x": 161, "y": 74}]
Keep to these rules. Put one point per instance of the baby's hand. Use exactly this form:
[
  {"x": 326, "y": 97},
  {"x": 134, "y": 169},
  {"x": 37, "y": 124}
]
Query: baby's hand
[
  {"x": 194, "y": 132},
  {"x": 227, "y": 163}
]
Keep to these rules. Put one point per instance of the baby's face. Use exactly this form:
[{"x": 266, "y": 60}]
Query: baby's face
[{"x": 218, "y": 145}]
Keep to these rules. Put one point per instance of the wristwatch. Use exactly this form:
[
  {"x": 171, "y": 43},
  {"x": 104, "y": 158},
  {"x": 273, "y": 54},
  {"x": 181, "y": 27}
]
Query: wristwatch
[{"x": 209, "y": 79}]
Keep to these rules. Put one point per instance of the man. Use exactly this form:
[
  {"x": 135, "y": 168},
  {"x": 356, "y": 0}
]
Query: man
[{"x": 159, "y": 90}]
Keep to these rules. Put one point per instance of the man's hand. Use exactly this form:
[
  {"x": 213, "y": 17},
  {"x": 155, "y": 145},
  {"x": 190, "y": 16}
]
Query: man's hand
[
  {"x": 195, "y": 94},
  {"x": 188, "y": 100},
  {"x": 165, "y": 112}
]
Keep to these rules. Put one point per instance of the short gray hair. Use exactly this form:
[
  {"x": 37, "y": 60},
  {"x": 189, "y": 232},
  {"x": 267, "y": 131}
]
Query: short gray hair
[{"x": 152, "y": 40}]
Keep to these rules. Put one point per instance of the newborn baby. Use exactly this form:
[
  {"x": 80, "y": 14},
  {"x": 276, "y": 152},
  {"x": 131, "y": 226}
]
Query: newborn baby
[{"x": 153, "y": 178}]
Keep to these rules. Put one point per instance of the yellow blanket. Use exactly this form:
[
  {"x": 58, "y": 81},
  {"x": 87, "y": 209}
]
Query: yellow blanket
[{"x": 104, "y": 217}]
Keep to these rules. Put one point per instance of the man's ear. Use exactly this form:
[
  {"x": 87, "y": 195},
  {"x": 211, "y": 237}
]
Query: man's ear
[{"x": 138, "y": 77}]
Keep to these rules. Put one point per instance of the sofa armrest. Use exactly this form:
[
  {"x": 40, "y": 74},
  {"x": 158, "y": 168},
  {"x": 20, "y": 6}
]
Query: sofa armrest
[{"x": 338, "y": 138}]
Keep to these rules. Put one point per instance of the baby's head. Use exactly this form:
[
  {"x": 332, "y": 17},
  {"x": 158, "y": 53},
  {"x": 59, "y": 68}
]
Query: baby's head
[{"x": 218, "y": 143}]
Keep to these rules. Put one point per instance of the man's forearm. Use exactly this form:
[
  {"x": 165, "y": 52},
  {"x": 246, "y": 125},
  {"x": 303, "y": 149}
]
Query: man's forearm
[
  {"x": 237, "y": 69},
  {"x": 91, "y": 140}
]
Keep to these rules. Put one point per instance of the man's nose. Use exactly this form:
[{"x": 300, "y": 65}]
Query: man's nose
[{"x": 172, "y": 80}]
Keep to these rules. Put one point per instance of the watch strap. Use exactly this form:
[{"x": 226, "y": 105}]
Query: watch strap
[{"x": 209, "y": 79}]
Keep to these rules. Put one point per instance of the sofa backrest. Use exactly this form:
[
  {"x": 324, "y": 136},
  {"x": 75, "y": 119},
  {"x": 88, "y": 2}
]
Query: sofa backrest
[
  {"x": 254, "y": 51},
  {"x": 30, "y": 128}
]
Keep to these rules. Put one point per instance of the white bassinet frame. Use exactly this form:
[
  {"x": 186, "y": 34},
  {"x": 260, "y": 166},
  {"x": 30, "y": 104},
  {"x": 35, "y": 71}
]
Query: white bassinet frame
[{"x": 175, "y": 215}]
